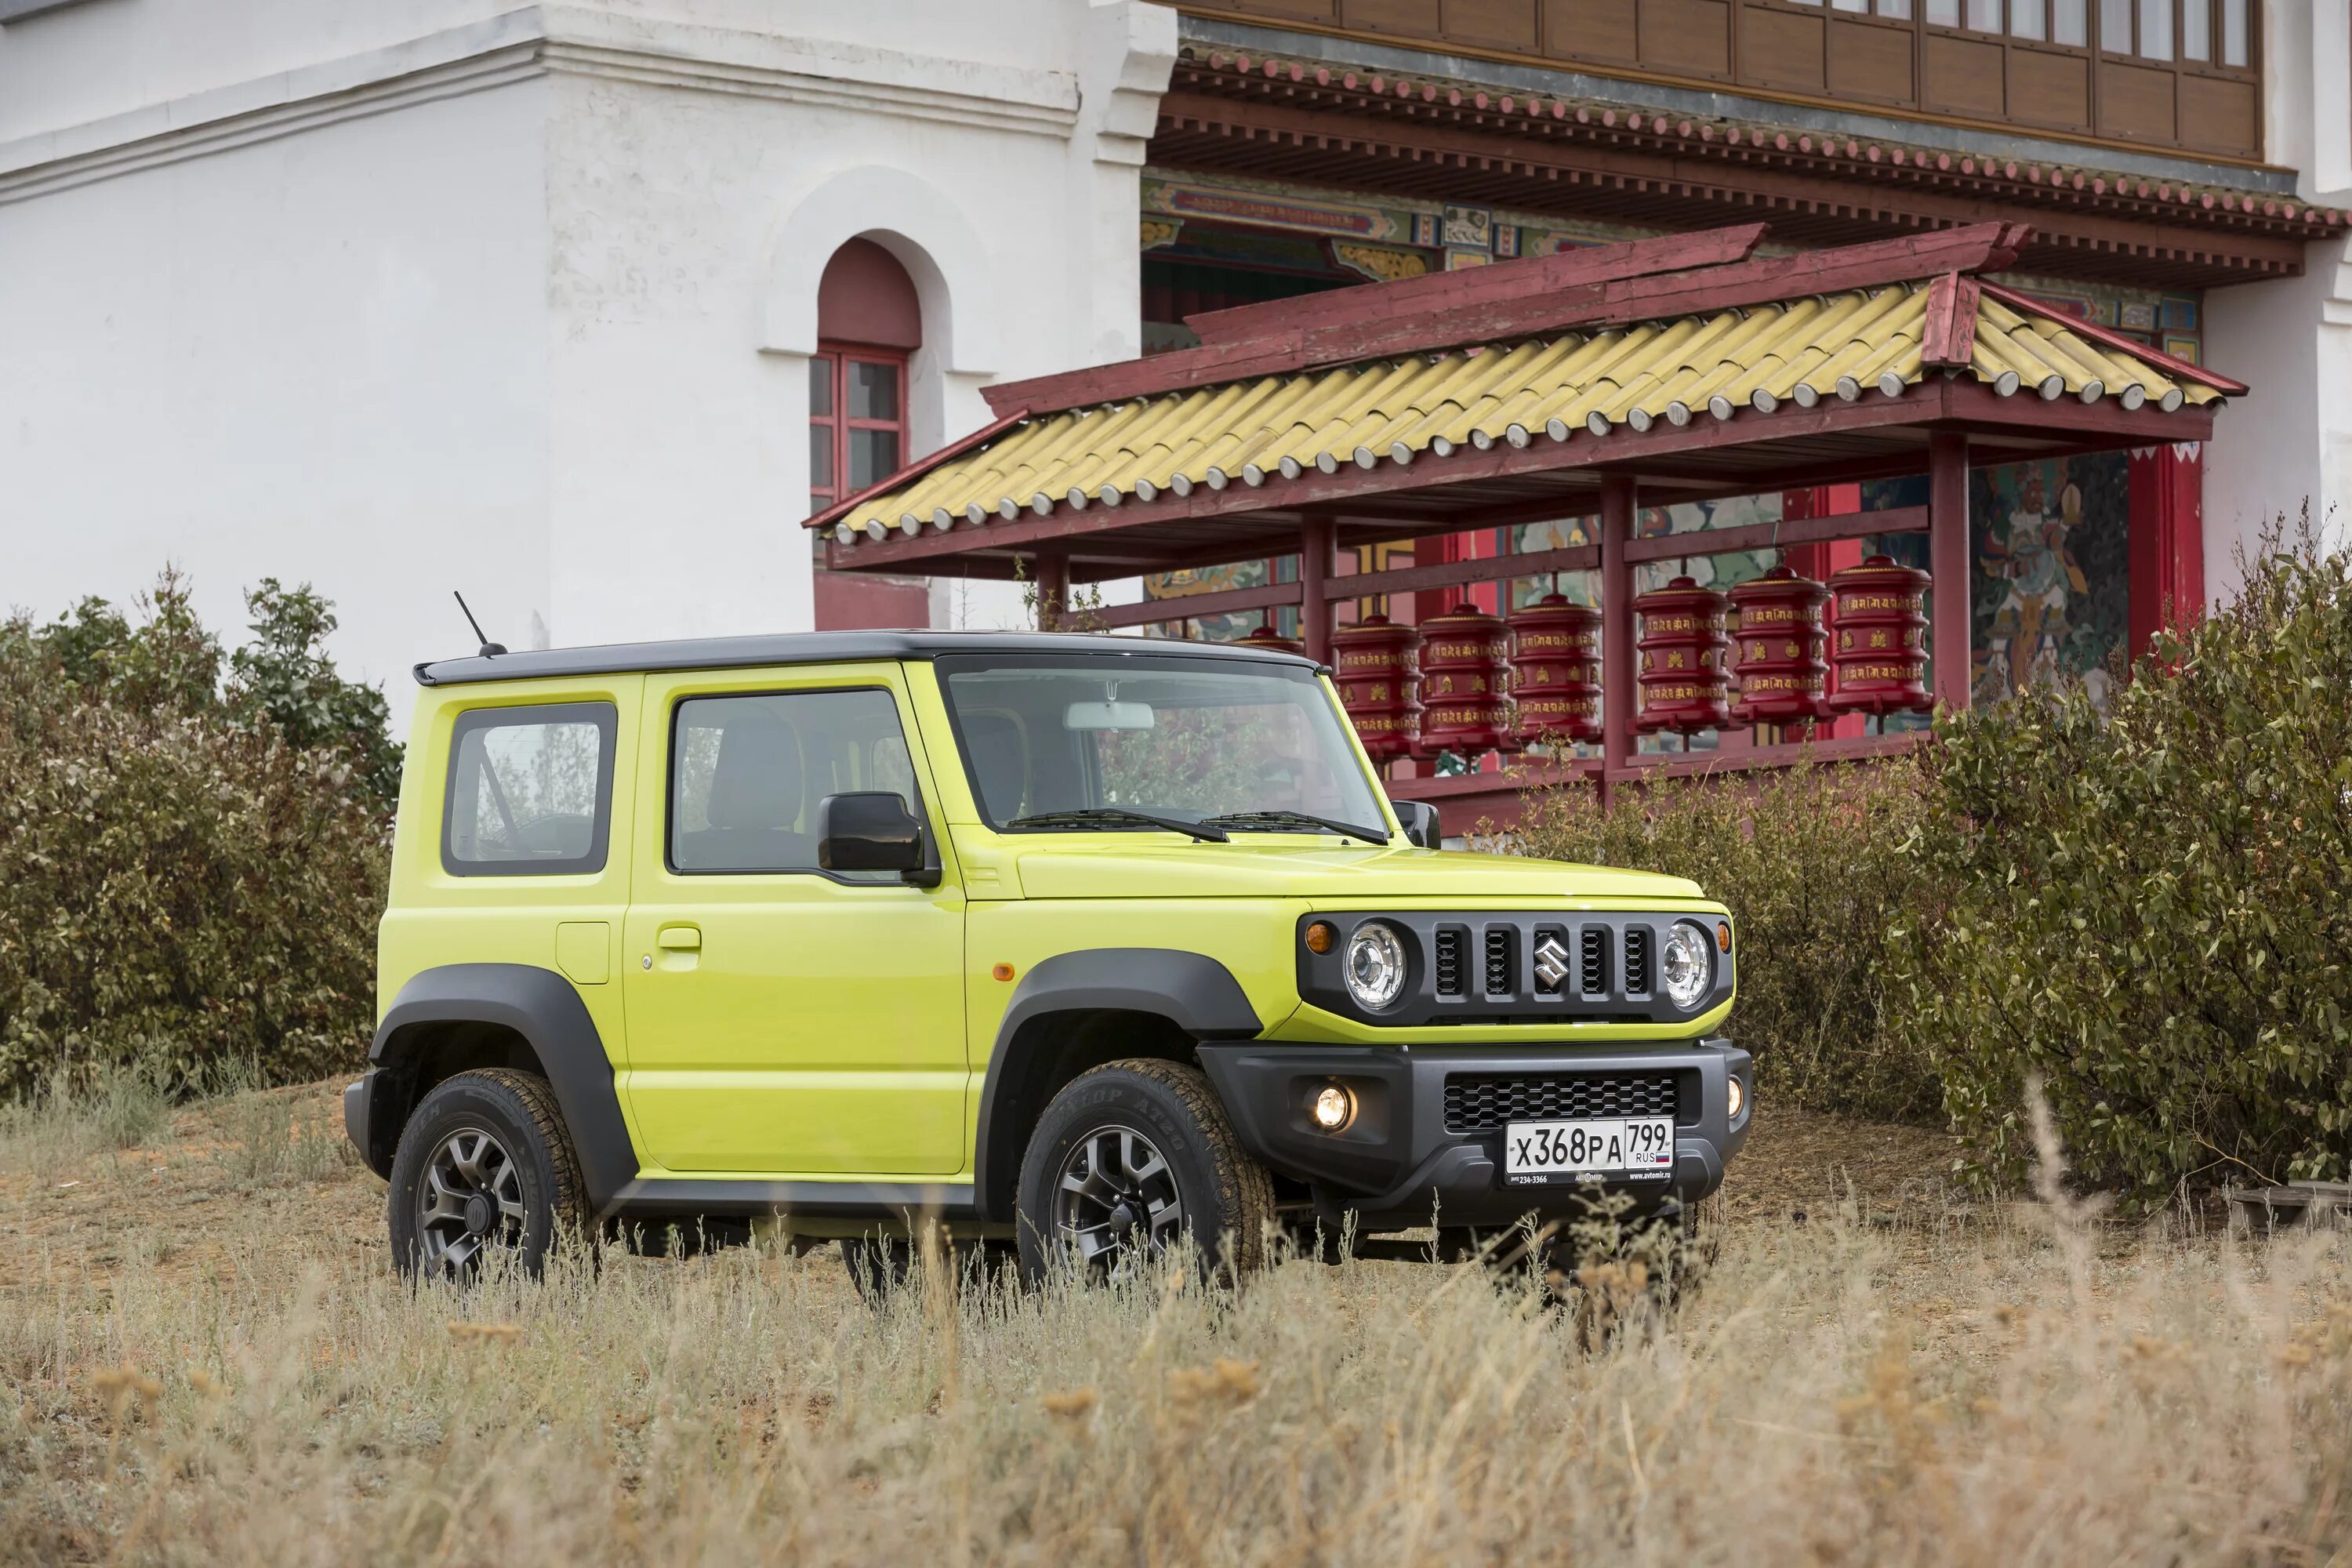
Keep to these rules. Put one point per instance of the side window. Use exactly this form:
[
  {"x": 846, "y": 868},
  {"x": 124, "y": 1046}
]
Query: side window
[
  {"x": 747, "y": 774},
  {"x": 530, "y": 791}
]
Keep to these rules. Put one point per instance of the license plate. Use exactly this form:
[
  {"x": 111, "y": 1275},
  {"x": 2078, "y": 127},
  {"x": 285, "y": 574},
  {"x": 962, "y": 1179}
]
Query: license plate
[{"x": 1539, "y": 1152}]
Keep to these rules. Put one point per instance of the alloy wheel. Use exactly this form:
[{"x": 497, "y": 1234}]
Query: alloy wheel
[
  {"x": 1115, "y": 1201},
  {"x": 469, "y": 1201}
]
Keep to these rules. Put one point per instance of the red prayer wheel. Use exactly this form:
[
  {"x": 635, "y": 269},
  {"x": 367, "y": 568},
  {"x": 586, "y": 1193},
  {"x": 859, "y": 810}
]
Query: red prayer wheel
[
  {"x": 1556, "y": 670},
  {"x": 1882, "y": 640},
  {"x": 1781, "y": 643},
  {"x": 1465, "y": 683},
  {"x": 1265, "y": 636},
  {"x": 1685, "y": 687},
  {"x": 1376, "y": 666}
]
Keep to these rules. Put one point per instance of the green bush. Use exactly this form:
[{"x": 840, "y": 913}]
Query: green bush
[
  {"x": 189, "y": 886},
  {"x": 2147, "y": 910},
  {"x": 1810, "y": 862}
]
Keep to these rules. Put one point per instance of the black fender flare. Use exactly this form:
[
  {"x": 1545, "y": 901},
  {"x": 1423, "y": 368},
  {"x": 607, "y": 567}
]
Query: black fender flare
[
  {"x": 542, "y": 1006},
  {"x": 1192, "y": 990}
]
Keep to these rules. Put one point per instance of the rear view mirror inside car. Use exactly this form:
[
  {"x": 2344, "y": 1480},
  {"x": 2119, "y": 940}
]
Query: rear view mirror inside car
[{"x": 1108, "y": 716}]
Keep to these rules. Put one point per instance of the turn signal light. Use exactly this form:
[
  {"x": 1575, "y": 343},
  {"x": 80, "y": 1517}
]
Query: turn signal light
[
  {"x": 1334, "y": 1108},
  {"x": 1320, "y": 936},
  {"x": 1722, "y": 935}
]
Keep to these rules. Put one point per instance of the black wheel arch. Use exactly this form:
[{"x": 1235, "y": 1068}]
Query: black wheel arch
[
  {"x": 1080, "y": 1010},
  {"x": 458, "y": 1017}
]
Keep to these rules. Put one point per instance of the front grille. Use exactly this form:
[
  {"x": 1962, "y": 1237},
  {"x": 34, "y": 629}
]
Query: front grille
[
  {"x": 1637, "y": 960},
  {"x": 1594, "y": 980},
  {"x": 1534, "y": 966},
  {"x": 1448, "y": 962},
  {"x": 1486, "y": 1103},
  {"x": 1498, "y": 960}
]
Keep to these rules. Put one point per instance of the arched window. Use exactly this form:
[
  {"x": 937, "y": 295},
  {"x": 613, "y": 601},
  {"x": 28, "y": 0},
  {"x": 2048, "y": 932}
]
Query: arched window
[{"x": 868, "y": 321}]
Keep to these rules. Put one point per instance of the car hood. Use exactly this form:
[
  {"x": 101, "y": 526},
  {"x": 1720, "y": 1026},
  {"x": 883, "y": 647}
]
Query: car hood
[{"x": 1072, "y": 866}]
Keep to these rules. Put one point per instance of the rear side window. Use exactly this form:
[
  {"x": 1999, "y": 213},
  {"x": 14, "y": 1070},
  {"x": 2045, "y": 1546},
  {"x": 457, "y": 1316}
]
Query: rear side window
[
  {"x": 530, "y": 791},
  {"x": 747, "y": 774}
]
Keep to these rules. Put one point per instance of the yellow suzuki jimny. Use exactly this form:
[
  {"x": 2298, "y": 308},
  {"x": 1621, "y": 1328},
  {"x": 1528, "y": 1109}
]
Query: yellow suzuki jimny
[{"x": 1085, "y": 943}]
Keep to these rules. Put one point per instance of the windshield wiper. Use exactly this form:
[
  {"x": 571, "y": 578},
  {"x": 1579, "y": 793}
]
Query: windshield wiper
[
  {"x": 1113, "y": 815},
  {"x": 1271, "y": 819}
]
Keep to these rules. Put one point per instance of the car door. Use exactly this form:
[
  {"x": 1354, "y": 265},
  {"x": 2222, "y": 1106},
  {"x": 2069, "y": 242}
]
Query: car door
[{"x": 786, "y": 1020}]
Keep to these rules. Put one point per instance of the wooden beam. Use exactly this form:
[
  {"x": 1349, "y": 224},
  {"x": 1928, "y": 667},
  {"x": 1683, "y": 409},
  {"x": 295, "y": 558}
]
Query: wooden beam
[
  {"x": 1317, "y": 566},
  {"x": 1226, "y": 602},
  {"x": 1461, "y": 573},
  {"x": 1785, "y": 534},
  {"x": 1947, "y": 558},
  {"x": 1950, "y": 335},
  {"x": 1780, "y": 754},
  {"x": 1619, "y": 501},
  {"x": 1052, "y": 589},
  {"x": 1451, "y": 290}
]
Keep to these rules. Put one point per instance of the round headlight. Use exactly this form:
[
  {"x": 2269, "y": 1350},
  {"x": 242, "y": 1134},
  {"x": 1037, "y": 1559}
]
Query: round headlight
[
  {"x": 1689, "y": 965},
  {"x": 1375, "y": 966}
]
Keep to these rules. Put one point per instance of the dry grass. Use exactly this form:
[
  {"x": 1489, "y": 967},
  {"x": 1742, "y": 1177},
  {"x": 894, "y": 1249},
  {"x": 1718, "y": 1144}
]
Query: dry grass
[{"x": 207, "y": 1361}]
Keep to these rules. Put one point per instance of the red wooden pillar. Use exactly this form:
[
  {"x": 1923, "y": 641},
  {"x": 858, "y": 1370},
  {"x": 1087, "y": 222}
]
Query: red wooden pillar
[
  {"x": 1052, "y": 589},
  {"x": 1435, "y": 550},
  {"x": 1617, "y": 673},
  {"x": 1823, "y": 561},
  {"x": 1947, "y": 558},
  {"x": 1315, "y": 541},
  {"x": 2167, "y": 544}
]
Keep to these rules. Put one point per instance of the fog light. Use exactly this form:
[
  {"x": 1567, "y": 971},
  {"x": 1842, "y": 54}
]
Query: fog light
[
  {"x": 1334, "y": 1108},
  {"x": 1738, "y": 1100},
  {"x": 1320, "y": 936}
]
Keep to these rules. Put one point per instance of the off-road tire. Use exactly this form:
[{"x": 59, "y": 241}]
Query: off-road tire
[
  {"x": 517, "y": 1109},
  {"x": 1227, "y": 1196}
]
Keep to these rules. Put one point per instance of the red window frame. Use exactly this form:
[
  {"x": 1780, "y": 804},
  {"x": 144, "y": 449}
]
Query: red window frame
[{"x": 829, "y": 431}]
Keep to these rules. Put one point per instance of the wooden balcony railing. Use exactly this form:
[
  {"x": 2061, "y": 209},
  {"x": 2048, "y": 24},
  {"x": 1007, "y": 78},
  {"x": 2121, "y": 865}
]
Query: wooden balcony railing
[{"x": 2170, "y": 75}]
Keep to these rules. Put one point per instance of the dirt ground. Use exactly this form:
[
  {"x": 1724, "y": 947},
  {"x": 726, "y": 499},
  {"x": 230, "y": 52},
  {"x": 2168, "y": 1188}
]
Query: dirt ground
[{"x": 276, "y": 1163}]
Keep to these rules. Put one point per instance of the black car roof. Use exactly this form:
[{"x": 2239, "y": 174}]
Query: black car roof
[{"x": 810, "y": 648}]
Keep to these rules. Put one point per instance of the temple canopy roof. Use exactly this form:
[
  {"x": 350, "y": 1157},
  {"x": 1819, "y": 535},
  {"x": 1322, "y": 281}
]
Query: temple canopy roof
[{"x": 1503, "y": 393}]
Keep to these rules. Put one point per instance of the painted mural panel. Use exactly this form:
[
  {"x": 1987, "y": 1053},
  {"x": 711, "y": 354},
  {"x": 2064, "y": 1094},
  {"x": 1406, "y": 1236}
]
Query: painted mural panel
[{"x": 2050, "y": 581}]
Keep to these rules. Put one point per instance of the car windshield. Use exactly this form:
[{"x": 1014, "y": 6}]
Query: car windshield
[{"x": 1080, "y": 743}]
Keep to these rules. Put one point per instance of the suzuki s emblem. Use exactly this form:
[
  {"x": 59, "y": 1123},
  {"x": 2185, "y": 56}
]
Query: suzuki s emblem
[{"x": 1551, "y": 963}]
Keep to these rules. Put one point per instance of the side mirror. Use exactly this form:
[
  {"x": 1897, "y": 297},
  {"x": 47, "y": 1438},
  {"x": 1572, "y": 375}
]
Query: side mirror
[
  {"x": 872, "y": 830},
  {"x": 1419, "y": 819}
]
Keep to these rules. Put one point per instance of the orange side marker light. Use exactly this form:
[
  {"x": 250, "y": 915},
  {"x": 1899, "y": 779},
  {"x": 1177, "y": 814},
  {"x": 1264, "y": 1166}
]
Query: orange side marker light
[{"x": 1002, "y": 972}]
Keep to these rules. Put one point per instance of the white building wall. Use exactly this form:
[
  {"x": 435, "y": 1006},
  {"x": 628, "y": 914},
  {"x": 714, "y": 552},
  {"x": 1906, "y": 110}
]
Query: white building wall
[
  {"x": 2289, "y": 442},
  {"x": 420, "y": 294},
  {"x": 311, "y": 357}
]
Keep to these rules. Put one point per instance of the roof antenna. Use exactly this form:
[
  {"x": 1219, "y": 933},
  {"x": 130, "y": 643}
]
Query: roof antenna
[{"x": 489, "y": 649}]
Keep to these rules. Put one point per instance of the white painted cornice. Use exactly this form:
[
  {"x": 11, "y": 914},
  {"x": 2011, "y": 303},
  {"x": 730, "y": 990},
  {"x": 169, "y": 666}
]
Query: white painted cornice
[
  {"x": 537, "y": 40},
  {"x": 1130, "y": 52},
  {"x": 456, "y": 60},
  {"x": 592, "y": 41}
]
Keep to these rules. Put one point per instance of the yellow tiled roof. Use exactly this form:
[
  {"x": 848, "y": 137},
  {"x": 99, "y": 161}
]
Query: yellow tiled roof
[{"x": 1259, "y": 431}]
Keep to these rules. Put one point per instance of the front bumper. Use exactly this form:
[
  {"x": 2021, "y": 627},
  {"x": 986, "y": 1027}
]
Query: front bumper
[{"x": 1399, "y": 1164}]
